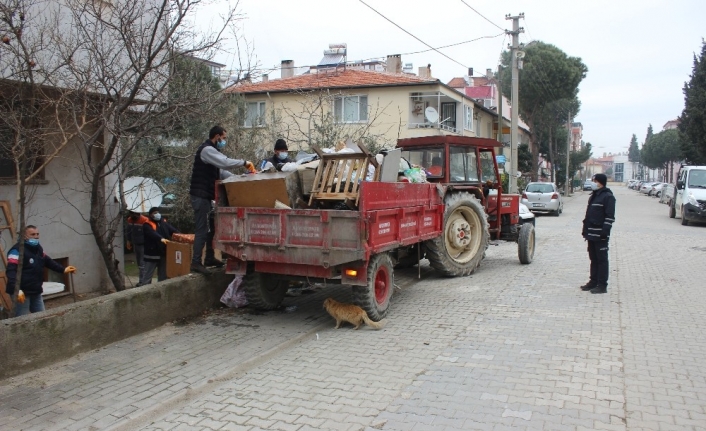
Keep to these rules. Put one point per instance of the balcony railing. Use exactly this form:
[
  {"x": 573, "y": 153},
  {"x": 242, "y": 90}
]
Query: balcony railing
[{"x": 434, "y": 126}]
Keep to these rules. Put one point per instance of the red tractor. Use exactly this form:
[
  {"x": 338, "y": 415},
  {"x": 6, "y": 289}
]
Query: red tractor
[
  {"x": 449, "y": 219},
  {"x": 476, "y": 209}
]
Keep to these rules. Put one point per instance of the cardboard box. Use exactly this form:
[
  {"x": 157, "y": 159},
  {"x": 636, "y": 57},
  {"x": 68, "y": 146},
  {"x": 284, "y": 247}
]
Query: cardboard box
[
  {"x": 178, "y": 259},
  {"x": 262, "y": 190}
]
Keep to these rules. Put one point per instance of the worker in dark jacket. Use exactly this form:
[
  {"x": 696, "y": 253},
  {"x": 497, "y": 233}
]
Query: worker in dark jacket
[
  {"x": 136, "y": 239},
  {"x": 29, "y": 295},
  {"x": 600, "y": 215},
  {"x": 157, "y": 233},
  {"x": 281, "y": 155},
  {"x": 209, "y": 166}
]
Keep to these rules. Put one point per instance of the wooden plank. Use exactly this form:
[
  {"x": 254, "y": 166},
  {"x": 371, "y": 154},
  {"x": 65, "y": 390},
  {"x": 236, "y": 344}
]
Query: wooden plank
[
  {"x": 5, "y": 299},
  {"x": 7, "y": 212}
]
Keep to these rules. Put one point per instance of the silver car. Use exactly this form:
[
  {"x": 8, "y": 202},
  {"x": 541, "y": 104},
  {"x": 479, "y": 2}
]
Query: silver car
[{"x": 543, "y": 197}]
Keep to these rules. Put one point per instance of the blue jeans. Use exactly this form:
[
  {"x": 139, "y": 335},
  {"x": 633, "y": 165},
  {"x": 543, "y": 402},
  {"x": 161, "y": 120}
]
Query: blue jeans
[
  {"x": 32, "y": 304},
  {"x": 203, "y": 232}
]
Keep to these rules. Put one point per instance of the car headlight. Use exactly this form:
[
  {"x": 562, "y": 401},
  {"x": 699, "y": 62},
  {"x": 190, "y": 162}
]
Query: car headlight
[{"x": 692, "y": 200}]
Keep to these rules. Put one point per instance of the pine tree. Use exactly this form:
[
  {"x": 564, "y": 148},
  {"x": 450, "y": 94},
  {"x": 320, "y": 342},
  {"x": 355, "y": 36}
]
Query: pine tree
[
  {"x": 692, "y": 122},
  {"x": 633, "y": 151}
]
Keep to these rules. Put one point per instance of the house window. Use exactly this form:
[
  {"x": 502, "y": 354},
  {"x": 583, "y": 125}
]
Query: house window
[
  {"x": 468, "y": 118},
  {"x": 351, "y": 109},
  {"x": 255, "y": 114},
  {"x": 448, "y": 114}
]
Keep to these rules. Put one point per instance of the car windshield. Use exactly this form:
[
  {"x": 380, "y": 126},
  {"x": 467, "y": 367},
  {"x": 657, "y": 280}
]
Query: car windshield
[
  {"x": 539, "y": 188},
  {"x": 697, "y": 178}
]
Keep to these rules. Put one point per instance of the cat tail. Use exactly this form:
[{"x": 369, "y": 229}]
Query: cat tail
[{"x": 375, "y": 325}]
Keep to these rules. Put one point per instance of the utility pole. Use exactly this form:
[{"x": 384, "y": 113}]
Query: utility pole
[
  {"x": 568, "y": 155},
  {"x": 514, "y": 136}
]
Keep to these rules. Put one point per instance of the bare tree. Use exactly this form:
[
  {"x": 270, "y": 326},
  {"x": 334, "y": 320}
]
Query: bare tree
[{"x": 113, "y": 62}]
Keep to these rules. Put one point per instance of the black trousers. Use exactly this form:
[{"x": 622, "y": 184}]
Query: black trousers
[{"x": 598, "y": 253}]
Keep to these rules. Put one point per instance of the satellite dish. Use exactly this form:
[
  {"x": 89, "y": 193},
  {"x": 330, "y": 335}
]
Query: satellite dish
[
  {"x": 141, "y": 194},
  {"x": 431, "y": 115}
]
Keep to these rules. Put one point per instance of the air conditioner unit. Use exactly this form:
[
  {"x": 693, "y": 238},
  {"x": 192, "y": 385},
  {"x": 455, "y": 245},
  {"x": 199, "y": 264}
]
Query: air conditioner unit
[{"x": 416, "y": 97}]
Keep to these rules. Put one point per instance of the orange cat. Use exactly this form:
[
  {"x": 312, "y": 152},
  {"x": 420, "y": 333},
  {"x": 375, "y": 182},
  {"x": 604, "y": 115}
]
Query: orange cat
[{"x": 350, "y": 313}]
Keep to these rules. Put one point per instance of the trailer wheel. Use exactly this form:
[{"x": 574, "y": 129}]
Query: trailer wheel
[
  {"x": 462, "y": 243},
  {"x": 375, "y": 297},
  {"x": 525, "y": 243},
  {"x": 263, "y": 292}
]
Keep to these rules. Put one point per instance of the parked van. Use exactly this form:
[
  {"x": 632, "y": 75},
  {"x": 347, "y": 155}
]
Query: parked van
[{"x": 690, "y": 200}]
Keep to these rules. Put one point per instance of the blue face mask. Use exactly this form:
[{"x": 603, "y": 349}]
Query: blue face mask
[
  {"x": 32, "y": 241},
  {"x": 283, "y": 155},
  {"x": 157, "y": 216},
  {"x": 221, "y": 144}
]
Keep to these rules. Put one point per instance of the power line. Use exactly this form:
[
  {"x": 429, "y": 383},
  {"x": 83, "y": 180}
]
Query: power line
[
  {"x": 481, "y": 15},
  {"x": 396, "y": 25},
  {"x": 456, "y": 44}
]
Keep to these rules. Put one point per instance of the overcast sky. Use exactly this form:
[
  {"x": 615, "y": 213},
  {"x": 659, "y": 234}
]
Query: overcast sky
[{"x": 639, "y": 53}]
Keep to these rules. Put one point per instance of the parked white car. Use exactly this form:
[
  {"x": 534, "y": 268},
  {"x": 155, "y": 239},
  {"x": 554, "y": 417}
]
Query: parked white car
[{"x": 543, "y": 197}]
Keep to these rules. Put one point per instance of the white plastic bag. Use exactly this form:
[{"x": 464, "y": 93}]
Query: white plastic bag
[{"x": 234, "y": 296}]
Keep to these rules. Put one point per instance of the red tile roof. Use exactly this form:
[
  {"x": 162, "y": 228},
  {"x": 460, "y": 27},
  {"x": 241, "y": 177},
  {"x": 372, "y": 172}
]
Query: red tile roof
[
  {"x": 457, "y": 83},
  {"x": 479, "y": 92},
  {"x": 348, "y": 78},
  {"x": 480, "y": 81}
]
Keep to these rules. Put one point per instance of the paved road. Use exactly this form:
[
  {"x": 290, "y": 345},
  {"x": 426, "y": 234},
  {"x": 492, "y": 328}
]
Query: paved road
[{"x": 510, "y": 347}]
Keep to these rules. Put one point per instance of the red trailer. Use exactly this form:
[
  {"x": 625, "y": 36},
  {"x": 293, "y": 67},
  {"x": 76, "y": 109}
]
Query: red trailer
[{"x": 448, "y": 220}]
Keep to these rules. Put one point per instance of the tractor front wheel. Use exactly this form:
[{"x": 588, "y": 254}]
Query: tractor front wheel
[{"x": 525, "y": 243}]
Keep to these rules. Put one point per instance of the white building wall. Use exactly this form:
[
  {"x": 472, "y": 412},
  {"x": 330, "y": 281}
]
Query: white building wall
[{"x": 60, "y": 208}]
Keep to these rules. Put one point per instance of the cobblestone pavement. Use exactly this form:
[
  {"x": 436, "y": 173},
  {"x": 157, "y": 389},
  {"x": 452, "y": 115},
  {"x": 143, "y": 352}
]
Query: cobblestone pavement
[{"x": 511, "y": 347}]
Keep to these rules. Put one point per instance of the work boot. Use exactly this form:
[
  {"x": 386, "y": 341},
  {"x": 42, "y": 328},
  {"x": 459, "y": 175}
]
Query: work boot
[
  {"x": 197, "y": 267},
  {"x": 588, "y": 286},
  {"x": 601, "y": 288},
  {"x": 214, "y": 262}
]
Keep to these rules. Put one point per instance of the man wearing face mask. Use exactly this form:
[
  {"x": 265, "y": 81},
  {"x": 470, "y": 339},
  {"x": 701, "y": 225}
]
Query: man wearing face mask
[
  {"x": 281, "y": 155},
  {"x": 209, "y": 166},
  {"x": 600, "y": 215},
  {"x": 157, "y": 233},
  {"x": 29, "y": 297}
]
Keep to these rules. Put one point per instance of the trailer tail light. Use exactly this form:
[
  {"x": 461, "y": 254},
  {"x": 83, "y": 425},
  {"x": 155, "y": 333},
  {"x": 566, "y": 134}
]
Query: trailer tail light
[
  {"x": 524, "y": 195},
  {"x": 351, "y": 273},
  {"x": 555, "y": 196}
]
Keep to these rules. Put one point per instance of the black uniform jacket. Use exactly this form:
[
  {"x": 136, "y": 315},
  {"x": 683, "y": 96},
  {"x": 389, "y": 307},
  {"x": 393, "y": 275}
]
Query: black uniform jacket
[{"x": 600, "y": 215}]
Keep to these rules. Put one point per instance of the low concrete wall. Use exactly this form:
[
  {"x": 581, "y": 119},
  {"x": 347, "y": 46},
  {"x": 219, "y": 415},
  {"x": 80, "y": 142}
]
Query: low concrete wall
[{"x": 39, "y": 339}]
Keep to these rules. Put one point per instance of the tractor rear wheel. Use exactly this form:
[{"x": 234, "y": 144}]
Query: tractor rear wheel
[
  {"x": 263, "y": 291},
  {"x": 464, "y": 237},
  {"x": 525, "y": 243},
  {"x": 375, "y": 297}
]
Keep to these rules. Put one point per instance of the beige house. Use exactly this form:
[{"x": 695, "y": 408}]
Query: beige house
[{"x": 358, "y": 103}]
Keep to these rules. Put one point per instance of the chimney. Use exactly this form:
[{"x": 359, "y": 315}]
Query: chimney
[
  {"x": 425, "y": 72},
  {"x": 265, "y": 77},
  {"x": 470, "y": 72},
  {"x": 394, "y": 63},
  {"x": 287, "y": 69},
  {"x": 489, "y": 73}
]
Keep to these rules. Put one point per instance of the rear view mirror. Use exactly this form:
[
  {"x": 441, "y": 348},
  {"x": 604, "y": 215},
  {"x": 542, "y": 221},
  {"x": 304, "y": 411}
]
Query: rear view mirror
[{"x": 680, "y": 184}]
